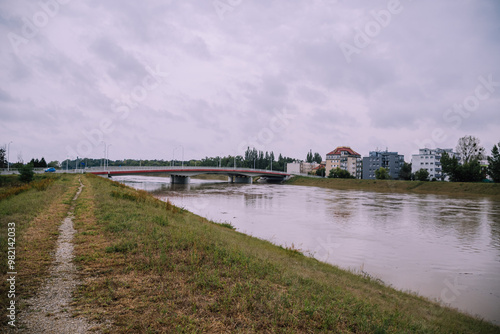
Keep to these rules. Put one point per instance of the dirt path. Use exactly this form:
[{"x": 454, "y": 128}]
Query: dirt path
[{"x": 50, "y": 311}]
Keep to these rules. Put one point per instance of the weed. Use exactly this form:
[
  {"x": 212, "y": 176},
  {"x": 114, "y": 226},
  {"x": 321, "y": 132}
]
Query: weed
[
  {"x": 226, "y": 225},
  {"x": 122, "y": 247}
]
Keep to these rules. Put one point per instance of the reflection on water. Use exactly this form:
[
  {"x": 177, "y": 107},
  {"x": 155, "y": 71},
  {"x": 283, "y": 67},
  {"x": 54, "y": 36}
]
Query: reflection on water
[{"x": 444, "y": 248}]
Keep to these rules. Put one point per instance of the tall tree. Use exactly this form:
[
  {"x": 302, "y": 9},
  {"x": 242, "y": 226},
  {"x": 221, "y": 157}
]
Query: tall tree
[
  {"x": 494, "y": 164},
  {"x": 3, "y": 160},
  {"x": 309, "y": 157},
  {"x": 469, "y": 149},
  {"x": 405, "y": 171},
  {"x": 467, "y": 172},
  {"x": 317, "y": 157}
]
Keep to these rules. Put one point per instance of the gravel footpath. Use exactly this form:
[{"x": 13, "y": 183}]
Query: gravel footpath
[{"x": 50, "y": 311}]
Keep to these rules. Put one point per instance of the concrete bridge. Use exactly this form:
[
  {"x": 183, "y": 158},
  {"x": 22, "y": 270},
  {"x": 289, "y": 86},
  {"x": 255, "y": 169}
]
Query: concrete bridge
[{"x": 181, "y": 175}]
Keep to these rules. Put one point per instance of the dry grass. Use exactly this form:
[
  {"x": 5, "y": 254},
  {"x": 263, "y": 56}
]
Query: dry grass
[
  {"x": 37, "y": 213},
  {"x": 15, "y": 188}
]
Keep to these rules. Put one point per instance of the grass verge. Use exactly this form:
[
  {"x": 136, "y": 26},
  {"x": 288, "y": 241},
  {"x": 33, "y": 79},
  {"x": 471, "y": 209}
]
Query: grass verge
[
  {"x": 150, "y": 267},
  {"x": 418, "y": 187}
]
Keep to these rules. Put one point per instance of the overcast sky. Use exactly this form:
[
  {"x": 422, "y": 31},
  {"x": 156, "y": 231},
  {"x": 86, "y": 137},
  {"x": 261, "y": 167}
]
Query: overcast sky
[{"x": 156, "y": 78}]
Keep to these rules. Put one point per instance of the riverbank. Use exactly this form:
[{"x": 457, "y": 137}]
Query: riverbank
[
  {"x": 148, "y": 266},
  {"x": 397, "y": 186}
]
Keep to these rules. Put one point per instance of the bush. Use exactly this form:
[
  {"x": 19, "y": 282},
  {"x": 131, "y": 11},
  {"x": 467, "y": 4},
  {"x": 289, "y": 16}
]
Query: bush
[
  {"x": 422, "y": 175},
  {"x": 382, "y": 174},
  {"x": 338, "y": 173},
  {"x": 26, "y": 173}
]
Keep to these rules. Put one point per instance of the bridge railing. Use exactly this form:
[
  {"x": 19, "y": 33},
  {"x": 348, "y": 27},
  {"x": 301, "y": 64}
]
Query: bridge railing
[{"x": 178, "y": 168}]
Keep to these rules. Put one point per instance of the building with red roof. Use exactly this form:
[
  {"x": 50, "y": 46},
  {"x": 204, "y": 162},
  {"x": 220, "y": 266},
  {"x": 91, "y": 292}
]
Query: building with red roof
[{"x": 345, "y": 158}]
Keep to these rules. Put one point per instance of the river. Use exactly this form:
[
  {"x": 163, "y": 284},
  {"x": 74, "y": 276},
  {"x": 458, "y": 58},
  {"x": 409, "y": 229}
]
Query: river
[{"x": 444, "y": 248}]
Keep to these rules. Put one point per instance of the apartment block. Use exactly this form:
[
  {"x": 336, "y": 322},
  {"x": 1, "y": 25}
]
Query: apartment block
[
  {"x": 430, "y": 160},
  {"x": 392, "y": 161}
]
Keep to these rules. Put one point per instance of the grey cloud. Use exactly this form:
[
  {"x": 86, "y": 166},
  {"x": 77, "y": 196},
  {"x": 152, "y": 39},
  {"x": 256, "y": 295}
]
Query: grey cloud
[{"x": 122, "y": 66}]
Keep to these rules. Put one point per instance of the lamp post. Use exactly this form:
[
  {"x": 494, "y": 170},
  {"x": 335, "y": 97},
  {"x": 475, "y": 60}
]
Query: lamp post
[
  {"x": 107, "y": 156},
  {"x": 182, "y": 164},
  {"x": 103, "y": 159},
  {"x": 173, "y": 154},
  {"x": 8, "y": 155}
]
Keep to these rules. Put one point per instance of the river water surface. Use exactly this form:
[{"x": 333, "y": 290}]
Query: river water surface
[{"x": 444, "y": 248}]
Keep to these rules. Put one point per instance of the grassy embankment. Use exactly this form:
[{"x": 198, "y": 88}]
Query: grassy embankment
[
  {"x": 148, "y": 266},
  {"x": 396, "y": 186}
]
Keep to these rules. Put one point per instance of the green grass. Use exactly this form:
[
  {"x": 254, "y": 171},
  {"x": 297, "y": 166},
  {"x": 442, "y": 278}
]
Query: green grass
[
  {"x": 396, "y": 186},
  {"x": 153, "y": 268}
]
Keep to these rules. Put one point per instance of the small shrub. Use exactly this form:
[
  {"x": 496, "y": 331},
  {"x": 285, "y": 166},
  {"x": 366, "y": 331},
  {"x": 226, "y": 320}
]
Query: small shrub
[
  {"x": 122, "y": 247},
  {"x": 161, "y": 220},
  {"x": 227, "y": 225},
  {"x": 26, "y": 173},
  {"x": 42, "y": 184}
]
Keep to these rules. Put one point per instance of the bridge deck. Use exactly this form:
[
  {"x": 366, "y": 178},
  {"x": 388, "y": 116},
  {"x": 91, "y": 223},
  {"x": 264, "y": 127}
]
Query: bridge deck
[{"x": 186, "y": 171}]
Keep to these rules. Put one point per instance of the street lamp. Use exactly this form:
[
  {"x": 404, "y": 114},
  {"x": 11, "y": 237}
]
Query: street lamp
[
  {"x": 173, "y": 154},
  {"x": 102, "y": 160},
  {"x": 8, "y": 154},
  {"x": 107, "y": 156}
]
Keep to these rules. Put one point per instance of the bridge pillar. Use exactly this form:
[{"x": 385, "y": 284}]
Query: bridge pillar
[
  {"x": 179, "y": 179},
  {"x": 240, "y": 179}
]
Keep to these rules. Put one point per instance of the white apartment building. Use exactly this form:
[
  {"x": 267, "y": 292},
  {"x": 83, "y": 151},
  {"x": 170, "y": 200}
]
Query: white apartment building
[{"x": 430, "y": 160}]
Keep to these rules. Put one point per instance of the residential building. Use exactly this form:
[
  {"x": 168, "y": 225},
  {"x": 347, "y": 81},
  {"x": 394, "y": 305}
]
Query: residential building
[
  {"x": 301, "y": 167},
  {"x": 293, "y": 167},
  {"x": 430, "y": 160},
  {"x": 345, "y": 158},
  {"x": 320, "y": 166},
  {"x": 392, "y": 161}
]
